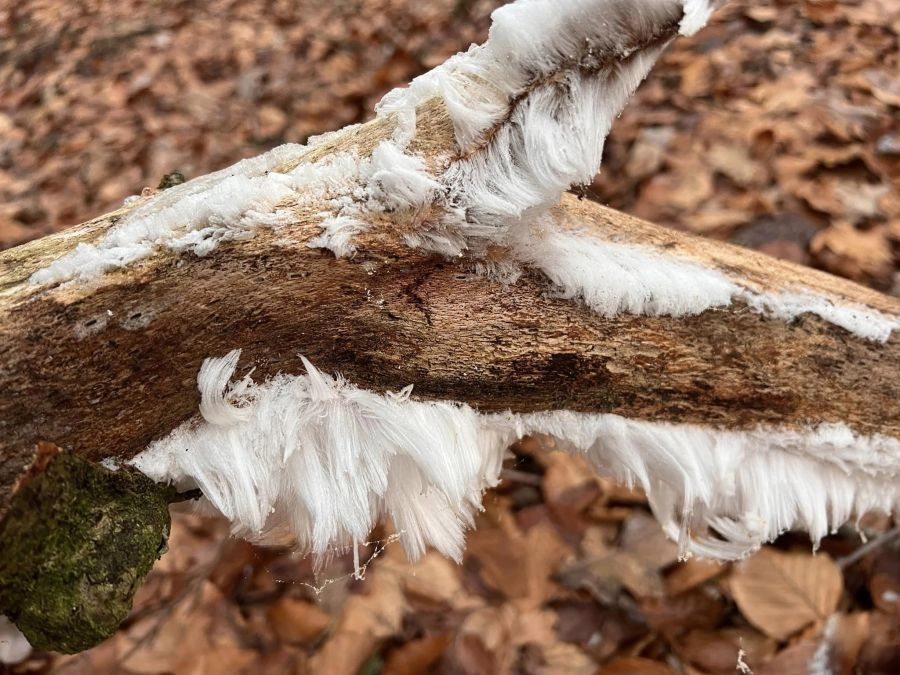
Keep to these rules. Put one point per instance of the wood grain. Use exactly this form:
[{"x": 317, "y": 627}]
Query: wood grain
[{"x": 106, "y": 367}]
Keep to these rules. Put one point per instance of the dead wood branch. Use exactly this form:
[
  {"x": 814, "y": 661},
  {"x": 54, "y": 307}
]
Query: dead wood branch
[{"x": 105, "y": 367}]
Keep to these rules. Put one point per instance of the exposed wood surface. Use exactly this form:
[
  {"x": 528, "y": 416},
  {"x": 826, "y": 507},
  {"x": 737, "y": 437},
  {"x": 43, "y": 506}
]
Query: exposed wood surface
[{"x": 104, "y": 368}]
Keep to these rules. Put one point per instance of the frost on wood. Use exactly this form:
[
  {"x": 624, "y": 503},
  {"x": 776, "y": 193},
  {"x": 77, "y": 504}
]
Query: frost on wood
[
  {"x": 530, "y": 110},
  {"x": 523, "y": 118},
  {"x": 234, "y": 203},
  {"x": 325, "y": 460},
  {"x": 391, "y": 180},
  {"x": 613, "y": 278},
  {"x": 532, "y": 106}
]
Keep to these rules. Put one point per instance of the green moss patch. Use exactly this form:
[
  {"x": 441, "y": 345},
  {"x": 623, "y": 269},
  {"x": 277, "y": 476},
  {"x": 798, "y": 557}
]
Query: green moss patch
[{"x": 76, "y": 543}]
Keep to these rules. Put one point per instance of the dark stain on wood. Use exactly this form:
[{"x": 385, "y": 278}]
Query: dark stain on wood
[{"x": 408, "y": 319}]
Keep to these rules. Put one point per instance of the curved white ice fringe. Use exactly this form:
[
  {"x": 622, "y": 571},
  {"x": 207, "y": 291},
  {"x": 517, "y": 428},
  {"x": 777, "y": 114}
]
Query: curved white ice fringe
[
  {"x": 530, "y": 40},
  {"x": 696, "y": 14},
  {"x": 327, "y": 460},
  {"x": 858, "y": 319},
  {"x": 545, "y": 87},
  {"x": 215, "y": 199},
  {"x": 234, "y": 203},
  {"x": 552, "y": 141},
  {"x": 748, "y": 487},
  {"x": 395, "y": 180},
  {"x": 337, "y": 234},
  {"x": 216, "y": 406},
  {"x": 613, "y": 278}
]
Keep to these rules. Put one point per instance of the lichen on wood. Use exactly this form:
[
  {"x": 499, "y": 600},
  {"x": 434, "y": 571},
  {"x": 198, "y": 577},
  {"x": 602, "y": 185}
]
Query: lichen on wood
[{"x": 75, "y": 545}]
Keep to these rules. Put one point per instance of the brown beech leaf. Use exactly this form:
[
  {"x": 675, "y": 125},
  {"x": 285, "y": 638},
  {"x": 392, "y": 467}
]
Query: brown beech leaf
[
  {"x": 884, "y": 583},
  {"x": 491, "y": 639},
  {"x": 794, "y": 659},
  {"x": 717, "y": 652},
  {"x": 436, "y": 579},
  {"x": 881, "y": 652},
  {"x": 367, "y": 619},
  {"x": 635, "y": 666},
  {"x": 416, "y": 656},
  {"x": 558, "y": 658},
  {"x": 688, "y": 574},
  {"x": 848, "y": 634},
  {"x": 202, "y": 633},
  {"x": 518, "y": 565},
  {"x": 295, "y": 620},
  {"x": 569, "y": 488},
  {"x": 698, "y": 608},
  {"x": 634, "y": 564},
  {"x": 780, "y": 593}
]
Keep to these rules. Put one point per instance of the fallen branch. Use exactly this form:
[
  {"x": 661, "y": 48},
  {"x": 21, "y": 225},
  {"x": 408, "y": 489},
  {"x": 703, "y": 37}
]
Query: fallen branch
[{"x": 432, "y": 247}]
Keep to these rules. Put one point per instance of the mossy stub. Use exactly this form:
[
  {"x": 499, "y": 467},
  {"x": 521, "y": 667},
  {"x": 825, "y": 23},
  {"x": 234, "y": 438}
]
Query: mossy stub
[
  {"x": 171, "y": 180},
  {"x": 75, "y": 545}
]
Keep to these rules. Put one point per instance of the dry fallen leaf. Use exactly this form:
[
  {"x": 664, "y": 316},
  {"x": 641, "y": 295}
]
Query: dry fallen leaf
[
  {"x": 853, "y": 252},
  {"x": 484, "y": 641},
  {"x": 696, "y": 78},
  {"x": 635, "y": 564},
  {"x": 416, "y": 656},
  {"x": 634, "y": 666},
  {"x": 368, "y": 618},
  {"x": 437, "y": 580},
  {"x": 794, "y": 659},
  {"x": 691, "y": 573},
  {"x": 518, "y": 565},
  {"x": 780, "y": 593},
  {"x": 559, "y": 658},
  {"x": 200, "y": 634},
  {"x": 884, "y": 584},
  {"x": 648, "y": 152},
  {"x": 850, "y": 633},
  {"x": 718, "y": 651},
  {"x": 569, "y": 487},
  {"x": 642, "y": 537},
  {"x": 881, "y": 652},
  {"x": 699, "y": 608},
  {"x": 295, "y": 620},
  {"x": 733, "y": 161}
]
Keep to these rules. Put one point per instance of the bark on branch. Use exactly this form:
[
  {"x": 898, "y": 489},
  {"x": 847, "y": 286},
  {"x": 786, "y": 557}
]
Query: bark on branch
[
  {"x": 430, "y": 247},
  {"x": 106, "y": 367}
]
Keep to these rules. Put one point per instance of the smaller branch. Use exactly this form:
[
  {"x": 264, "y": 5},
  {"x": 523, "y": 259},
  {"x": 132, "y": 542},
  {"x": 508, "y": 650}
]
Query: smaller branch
[
  {"x": 521, "y": 477},
  {"x": 870, "y": 546}
]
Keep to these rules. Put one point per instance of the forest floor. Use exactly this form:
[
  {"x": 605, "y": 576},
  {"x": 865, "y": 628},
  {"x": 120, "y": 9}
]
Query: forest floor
[{"x": 777, "y": 128}]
